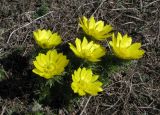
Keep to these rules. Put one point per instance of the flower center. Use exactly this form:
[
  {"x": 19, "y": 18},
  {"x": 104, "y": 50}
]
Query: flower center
[
  {"x": 82, "y": 85},
  {"x": 49, "y": 68}
]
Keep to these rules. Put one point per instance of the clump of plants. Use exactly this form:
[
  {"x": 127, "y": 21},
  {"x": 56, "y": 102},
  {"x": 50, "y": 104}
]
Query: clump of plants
[{"x": 81, "y": 69}]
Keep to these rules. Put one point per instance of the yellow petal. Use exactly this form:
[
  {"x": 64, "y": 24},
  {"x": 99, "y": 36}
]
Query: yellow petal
[
  {"x": 41, "y": 58},
  {"x": 77, "y": 75},
  {"x": 83, "y": 73},
  {"x": 39, "y": 67},
  {"x": 99, "y": 26},
  {"x": 135, "y": 54},
  {"x": 89, "y": 46},
  {"x": 114, "y": 40},
  {"x": 47, "y": 75},
  {"x": 36, "y": 36},
  {"x": 62, "y": 62},
  {"x": 37, "y": 71},
  {"x": 106, "y": 29},
  {"x": 88, "y": 76},
  {"x": 84, "y": 43},
  {"x": 55, "y": 39},
  {"x": 94, "y": 78},
  {"x": 135, "y": 46},
  {"x": 126, "y": 42},
  {"x": 85, "y": 22},
  {"x": 87, "y": 83},
  {"x": 99, "y": 52},
  {"x": 91, "y": 23},
  {"x": 49, "y": 33},
  {"x": 52, "y": 56},
  {"x": 74, "y": 49},
  {"x": 81, "y": 92},
  {"x": 78, "y": 44},
  {"x": 119, "y": 38},
  {"x": 51, "y": 64},
  {"x": 74, "y": 87}
]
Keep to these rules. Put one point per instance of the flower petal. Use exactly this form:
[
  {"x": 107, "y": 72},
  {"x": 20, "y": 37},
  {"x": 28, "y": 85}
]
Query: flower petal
[
  {"x": 126, "y": 42},
  {"x": 99, "y": 26},
  {"x": 84, "y": 82},
  {"x": 74, "y": 49},
  {"x": 51, "y": 64},
  {"x": 91, "y": 23},
  {"x": 123, "y": 48}
]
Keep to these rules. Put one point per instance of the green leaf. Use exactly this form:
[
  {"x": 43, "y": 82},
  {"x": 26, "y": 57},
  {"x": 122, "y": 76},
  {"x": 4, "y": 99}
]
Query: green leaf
[{"x": 2, "y": 74}]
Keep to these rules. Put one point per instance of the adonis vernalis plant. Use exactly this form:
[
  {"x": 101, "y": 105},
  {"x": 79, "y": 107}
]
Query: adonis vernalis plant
[
  {"x": 88, "y": 50},
  {"x": 46, "y": 39},
  {"x": 124, "y": 49},
  {"x": 85, "y": 82},
  {"x": 97, "y": 30},
  {"x": 51, "y": 64}
]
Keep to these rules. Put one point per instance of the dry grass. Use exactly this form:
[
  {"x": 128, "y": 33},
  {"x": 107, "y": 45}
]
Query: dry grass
[{"x": 135, "y": 91}]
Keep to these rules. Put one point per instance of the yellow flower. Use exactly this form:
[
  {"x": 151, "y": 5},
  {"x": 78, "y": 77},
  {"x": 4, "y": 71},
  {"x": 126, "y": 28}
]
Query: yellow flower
[
  {"x": 87, "y": 50},
  {"x": 85, "y": 82},
  {"x": 123, "y": 47},
  {"x": 46, "y": 39},
  {"x": 95, "y": 29},
  {"x": 51, "y": 64}
]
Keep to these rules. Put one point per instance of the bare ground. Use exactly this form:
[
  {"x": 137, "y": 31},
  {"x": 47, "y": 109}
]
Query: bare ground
[{"x": 135, "y": 91}]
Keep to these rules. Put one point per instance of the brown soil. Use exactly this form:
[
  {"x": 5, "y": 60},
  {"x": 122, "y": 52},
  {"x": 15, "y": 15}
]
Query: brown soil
[{"x": 135, "y": 91}]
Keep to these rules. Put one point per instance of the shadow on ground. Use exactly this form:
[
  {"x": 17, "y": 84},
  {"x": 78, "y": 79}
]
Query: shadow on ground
[
  {"x": 19, "y": 81},
  {"x": 23, "y": 84}
]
